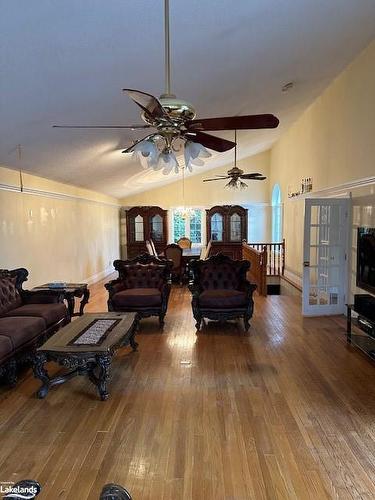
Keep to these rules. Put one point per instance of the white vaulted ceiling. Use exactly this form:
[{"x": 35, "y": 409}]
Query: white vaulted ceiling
[{"x": 65, "y": 62}]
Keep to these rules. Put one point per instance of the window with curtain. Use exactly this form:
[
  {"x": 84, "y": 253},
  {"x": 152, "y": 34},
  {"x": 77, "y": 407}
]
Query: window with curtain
[{"x": 189, "y": 225}]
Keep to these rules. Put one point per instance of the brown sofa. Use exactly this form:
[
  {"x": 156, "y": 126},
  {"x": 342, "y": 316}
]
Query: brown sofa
[
  {"x": 27, "y": 319},
  {"x": 143, "y": 286}
]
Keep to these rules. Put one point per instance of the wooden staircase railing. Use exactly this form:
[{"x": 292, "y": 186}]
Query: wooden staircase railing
[
  {"x": 258, "y": 266},
  {"x": 275, "y": 256}
]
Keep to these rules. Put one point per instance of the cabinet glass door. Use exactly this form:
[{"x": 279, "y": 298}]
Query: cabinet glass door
[
  {"x": 138, "y": 228},
  {"x": 157, "y": 228},
  {"x": 235, "y": 227},
  {"x": 217, "y": 227}
]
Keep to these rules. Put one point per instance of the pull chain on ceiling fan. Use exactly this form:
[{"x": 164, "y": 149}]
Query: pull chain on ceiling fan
[
  {"x": 235, "y": 174},
  {"x": 175, "y": 126}
]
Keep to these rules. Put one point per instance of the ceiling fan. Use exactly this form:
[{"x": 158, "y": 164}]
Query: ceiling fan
[
  {"x": 235, "y": 174},
  {"x": 175, "y": 125}
]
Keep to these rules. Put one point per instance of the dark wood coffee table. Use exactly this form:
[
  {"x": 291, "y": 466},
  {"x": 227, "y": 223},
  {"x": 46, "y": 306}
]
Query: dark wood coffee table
[
  {"x": 86, "y": 347},
  {"x": 69, "y": 291}
]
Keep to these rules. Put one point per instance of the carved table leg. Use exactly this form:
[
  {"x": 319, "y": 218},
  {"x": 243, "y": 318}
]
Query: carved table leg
[
  {"x": 41, "y": 373},
  {"x": 104, "y": 364},
  {"x": 69, "y": 297},
  {"x": 84, "y": 301},
  {"x": 246, "y": 321},
  {"x": 133, "y": 343}
]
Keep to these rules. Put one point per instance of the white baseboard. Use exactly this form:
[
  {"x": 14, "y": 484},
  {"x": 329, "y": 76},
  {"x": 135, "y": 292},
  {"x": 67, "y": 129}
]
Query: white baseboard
[
  {"x": 99, "y": 276},
  {"x": 294, "y": 278}
]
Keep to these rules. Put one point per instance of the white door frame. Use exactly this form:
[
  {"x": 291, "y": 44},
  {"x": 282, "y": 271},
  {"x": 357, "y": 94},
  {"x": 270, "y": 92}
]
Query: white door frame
[{"x": 325, "y": 260}]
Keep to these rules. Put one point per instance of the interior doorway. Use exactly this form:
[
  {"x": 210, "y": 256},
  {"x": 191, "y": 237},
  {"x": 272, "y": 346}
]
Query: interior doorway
[{"x": 325, "y": 256}]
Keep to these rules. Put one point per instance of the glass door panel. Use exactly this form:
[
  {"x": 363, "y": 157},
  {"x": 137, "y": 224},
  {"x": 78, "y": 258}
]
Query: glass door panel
[
  {"x": 157, "y": 228},
  {"x": 325, "y": 250},
  {"x": 217, "y": 227}
]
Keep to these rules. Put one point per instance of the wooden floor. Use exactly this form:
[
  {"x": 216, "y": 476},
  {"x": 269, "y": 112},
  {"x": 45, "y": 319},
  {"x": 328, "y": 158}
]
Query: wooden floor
[{"x": 286, "y": 411}]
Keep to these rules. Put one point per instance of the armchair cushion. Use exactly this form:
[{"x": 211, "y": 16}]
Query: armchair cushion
[
  {"x": 222, "y": 276},
  {"x": 222, "y": 298},
  {"x": 9, "y": 295},
  {"x": 6, "y": 347},
  {"x": 21, "y": 330},
  {"x": 50, "y": 313},
  {"x": 144, "y": 276},
  {"x": 137, "y": 297}
]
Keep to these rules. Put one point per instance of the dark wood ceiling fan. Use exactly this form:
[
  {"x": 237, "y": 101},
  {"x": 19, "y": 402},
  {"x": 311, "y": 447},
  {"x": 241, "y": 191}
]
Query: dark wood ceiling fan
[
  {"x": 236, "y": 174},
  {"x": 173, "y": 118}
]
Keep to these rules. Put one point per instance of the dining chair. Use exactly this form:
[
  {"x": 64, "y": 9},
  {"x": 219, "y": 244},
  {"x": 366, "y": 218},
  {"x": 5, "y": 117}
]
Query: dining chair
[
  {"x": 173, "y": 252},
  {"x": 184, "y": 242}
]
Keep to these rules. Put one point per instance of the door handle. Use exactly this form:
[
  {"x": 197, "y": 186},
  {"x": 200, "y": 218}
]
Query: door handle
[{"x": 306, "y": 263}]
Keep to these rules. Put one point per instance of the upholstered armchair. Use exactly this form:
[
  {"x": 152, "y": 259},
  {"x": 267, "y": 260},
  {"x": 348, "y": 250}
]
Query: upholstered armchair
[
  {"x": 143, "y": 286},
  {"x": 220, "y": 290}
]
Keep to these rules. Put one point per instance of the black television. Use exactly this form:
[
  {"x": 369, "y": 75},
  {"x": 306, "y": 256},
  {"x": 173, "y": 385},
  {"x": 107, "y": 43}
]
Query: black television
[{"x": 366, "y": 258}]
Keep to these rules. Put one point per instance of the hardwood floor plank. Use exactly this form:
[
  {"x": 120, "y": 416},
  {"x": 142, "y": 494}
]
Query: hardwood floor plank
[{"x": 284, "y": 412}]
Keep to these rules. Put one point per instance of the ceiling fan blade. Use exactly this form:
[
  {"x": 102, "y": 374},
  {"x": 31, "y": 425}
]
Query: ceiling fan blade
[
  {"x": 132, "y": 127},
  {"x": 234, "y": 123},
  {"x": 262, "y": 178},
  {"x": 211, "y": 141},
  {"x": 251, "y": 176},
  {"x": 218, "y": 179},
  {"x": 130, "y": 148},
  {"x": 147, "y": 102}
]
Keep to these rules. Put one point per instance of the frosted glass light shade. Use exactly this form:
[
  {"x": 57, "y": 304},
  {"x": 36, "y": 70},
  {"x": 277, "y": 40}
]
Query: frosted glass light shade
[
  {"x": 168, "y": 162},
  {"x": 193, "y": 153},
  {"x": 146, "y": 152}
]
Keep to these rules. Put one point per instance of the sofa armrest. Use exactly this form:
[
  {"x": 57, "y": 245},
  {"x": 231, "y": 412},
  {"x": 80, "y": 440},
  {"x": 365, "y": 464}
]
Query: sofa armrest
[{"x": 42, "y": 296}]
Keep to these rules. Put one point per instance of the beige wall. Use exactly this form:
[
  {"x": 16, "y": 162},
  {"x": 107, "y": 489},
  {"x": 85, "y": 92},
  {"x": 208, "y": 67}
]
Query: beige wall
[
  {"x": 332, "y": 142},
  {"x": 56, "y": 231},
  {"x": 199, "y": 193},
  {"x": 207, "y": 194}
]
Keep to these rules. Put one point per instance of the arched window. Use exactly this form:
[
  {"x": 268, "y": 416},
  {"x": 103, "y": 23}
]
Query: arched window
[{"x": 276, "y": 214}]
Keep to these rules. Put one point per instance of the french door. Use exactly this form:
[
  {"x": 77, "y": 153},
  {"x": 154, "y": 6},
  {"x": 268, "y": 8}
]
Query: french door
[{"x": 325, "y": 256}]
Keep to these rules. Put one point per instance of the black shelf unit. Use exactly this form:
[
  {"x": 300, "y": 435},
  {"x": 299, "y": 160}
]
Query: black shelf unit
[{"x": 360, "y": 338}]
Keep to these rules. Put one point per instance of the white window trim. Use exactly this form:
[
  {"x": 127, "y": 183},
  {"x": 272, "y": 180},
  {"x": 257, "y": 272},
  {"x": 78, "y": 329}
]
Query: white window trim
[{"x": 187, "y": 225}]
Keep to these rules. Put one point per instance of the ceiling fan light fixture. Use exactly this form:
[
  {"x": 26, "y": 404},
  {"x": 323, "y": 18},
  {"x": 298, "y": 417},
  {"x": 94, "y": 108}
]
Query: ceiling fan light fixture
[
  {"x": 236, "y": 184},
  {"x": 146, "y": 152},
  {"x": 167, "y": 161}
]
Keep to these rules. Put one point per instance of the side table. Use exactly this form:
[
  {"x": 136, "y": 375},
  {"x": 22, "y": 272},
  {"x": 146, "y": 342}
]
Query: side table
[{"x": 70, "y": 291}]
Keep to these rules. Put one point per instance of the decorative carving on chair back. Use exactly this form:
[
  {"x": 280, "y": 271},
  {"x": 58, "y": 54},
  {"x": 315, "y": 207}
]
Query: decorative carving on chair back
[{"x": 145, "y": 271}]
